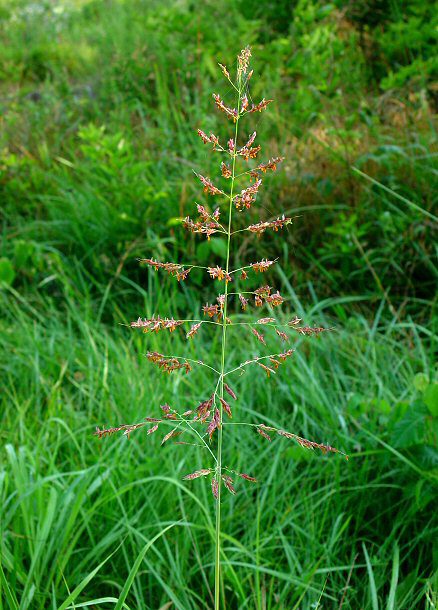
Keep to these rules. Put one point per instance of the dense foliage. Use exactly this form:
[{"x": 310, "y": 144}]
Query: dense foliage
[{"x": 100, "y": 101}]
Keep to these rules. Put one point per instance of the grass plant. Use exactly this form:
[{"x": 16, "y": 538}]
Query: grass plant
[{"x": 93, "y": 175}]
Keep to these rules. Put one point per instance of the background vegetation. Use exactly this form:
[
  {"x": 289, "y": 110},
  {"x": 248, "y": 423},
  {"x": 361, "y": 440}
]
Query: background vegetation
[{"x": 100, "y": 101}]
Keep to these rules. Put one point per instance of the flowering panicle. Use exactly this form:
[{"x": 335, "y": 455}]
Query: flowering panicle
[
  {"x": 193, "y": 330},
  {"x": 282, "y": 335},
  {"x": 307, "y": 330},
  {"x": 211, "y": 310},
  {"x": 265, "y": 321},
  {"x": 168, "y": 364},
  {"x": 214, "y": 423},
  {"x": 198, "y": 473},
  {"x": 226, "y": 172},
  {"x": 248, "y": 151},
  {"x": 230, "y": 112},
  {"x": 219, "y": 274},
  {"x": 243, "y": 301},
  {"x": 260, "y": 106},
  {"x": 209, "y": 187},
  {"x": 243, "y": 62},
  {"x": 260, "y": 337},
  {"x": 171, "y": 268},
  {"x": 262, "y": 266},
  {"x": 156, "y": 324},
  {"x": 225, "y": 71},
  {"x": 261, "y": 227},
  {"x": 247, "y": 196},
  {"x": 206, "y": 419},
  {"x": 211, "y": 139},
  {"x": 207, "y": 223},
  {"x": 264, "y": 167}
]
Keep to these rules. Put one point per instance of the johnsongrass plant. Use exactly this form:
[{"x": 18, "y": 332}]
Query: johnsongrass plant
[{"x": 212, "y": 414}]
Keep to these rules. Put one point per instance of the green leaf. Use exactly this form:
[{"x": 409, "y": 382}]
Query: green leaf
[
  {"x": 421, "y": 381},
  {"x": 7, "y": 273},
  {"x": 430, "y": 398},
  {"x": 136, "y": 566},
  {"x": 219, "y": 246}
]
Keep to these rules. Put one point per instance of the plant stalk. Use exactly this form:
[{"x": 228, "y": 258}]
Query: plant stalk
[{"x": 217, "y": 579}]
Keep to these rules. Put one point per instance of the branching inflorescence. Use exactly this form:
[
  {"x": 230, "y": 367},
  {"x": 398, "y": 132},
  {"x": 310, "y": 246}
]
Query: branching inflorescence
[{"x": 208, "y": 418}]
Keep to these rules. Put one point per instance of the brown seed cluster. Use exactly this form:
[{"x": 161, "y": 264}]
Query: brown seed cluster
[
  {"x": 156, "y": 324},
  {"x": 261, "y": 227},
  {"x": 207, "y": 223},
  {"x": 209, "y": 187},
  {"x": 219, "y": 274},
  {"x": 211, "y": 139},
  {"x": 262, "y": 266},
  {"x": 247, "y": 196},
  {"x": 168, "y": 364},
  {"x": 231, "y": 113},
  {"x": 171, "y": 268}
]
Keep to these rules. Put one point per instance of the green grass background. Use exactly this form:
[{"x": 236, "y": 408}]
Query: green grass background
[{"x": 100, "y": 102}]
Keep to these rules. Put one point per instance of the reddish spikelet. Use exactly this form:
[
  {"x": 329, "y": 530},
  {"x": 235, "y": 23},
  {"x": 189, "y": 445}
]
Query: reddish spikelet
[
  {"x": 153, "y": 429},
  {"x": 243, "y": 103},
  {"x": 193, "y": 330},
  {"x": 258, "y": 335},
  {"x": 225, "y": 71},
  {"x": 243, "y": 275},
  {"x": 310, "y": 331},
  {"x": 126, "y": 429},
  {"x": 219, "y": 274},
  {"x": 270, "y": 165},
  {"x": 226, "y": 172},
  {"x": 231, "y": 113},
  {"x": 228, "y": 482},
  {"x": 186, "y": 413},
  {"x": 206, "y": 227},
  {"x": 247, "y": 196},
  {"x": 295, "y": 321},
  {"x": 266, "y": 369},
  {"x": 261, "y": 227},
  {"x": 168, "y": 364},
  {"x": 306, "y": 444},
  {"x": 260, "y": 106},
  {"x": 171, "y": 434},
  {"x": 243, "y": 301},
  {"x": 246, "y": 477},
  {"x": 263, "y": 291},
  {"x": 261, "y": 430},
  {"x": 203, "y": 410},
  {"x": 209, "y": 187},
  {"x": 282, "y": 335},
  {"x": 215, "y": 488},
  {"x": 226, "y": 407},
  {"x": 210, "y": 310},
  {"x": 274, "y": 299},
  {"x": 171, "y": 268},
  {"x": 274, "y": 362},
  {"x": 261, "y": 266},
  {"x": 265, "y": 321},
  {"x": 230, "y": 391},
  {"x": 242, "y": 62},
  {"x": 285, "y": 355},
  {"x": 198, "y": 473},
  {"x": 215, "y": 423},
  {"x": 203, "y": 136}
]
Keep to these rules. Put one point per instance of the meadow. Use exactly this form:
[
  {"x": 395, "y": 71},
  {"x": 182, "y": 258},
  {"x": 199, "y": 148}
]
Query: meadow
[{"x": 100, "y": 101}]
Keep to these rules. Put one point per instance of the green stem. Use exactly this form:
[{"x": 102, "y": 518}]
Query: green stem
[{"x": 224, "y": 335}]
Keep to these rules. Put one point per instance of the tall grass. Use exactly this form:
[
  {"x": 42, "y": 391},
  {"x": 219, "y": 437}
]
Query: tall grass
[{"x": 315, "y": 528}]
